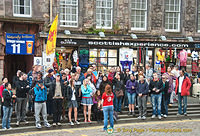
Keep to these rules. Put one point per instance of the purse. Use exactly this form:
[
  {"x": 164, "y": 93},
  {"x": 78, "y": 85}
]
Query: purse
[{"x": 119, "y": 93}]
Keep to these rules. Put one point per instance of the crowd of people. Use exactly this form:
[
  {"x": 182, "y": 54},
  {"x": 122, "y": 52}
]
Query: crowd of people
[{"x": 95, "y": 94}]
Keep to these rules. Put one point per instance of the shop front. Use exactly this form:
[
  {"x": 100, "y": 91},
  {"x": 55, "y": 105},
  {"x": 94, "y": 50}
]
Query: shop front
[{"x": 126, "y": 53}]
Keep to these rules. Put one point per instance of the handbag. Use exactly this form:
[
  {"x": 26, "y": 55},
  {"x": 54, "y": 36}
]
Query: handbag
[{"x": 119, "y": 93}]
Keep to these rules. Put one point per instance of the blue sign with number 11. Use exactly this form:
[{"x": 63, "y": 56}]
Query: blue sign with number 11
[{"x": 21, "y": 44}]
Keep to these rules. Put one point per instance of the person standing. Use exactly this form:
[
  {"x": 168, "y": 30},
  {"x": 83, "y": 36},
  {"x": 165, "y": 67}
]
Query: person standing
[
  {"x": 86, "y": 101},
  {"x": 103, "y": 84},
  {"x": 149, "y": 73},
  {"x": 2, "y": 87},
  {"x": 48, "y": 81},
  {"x": 131, "y": 87},
  {"x": 142, "y": 91},
  {"x": 8, "y": 106},
  {"x": 81, "y": 75},
  {"x": 15, "y": 79},
  {"x": 111, "y": 74},
  {"x": 72, "y": 101},
  {"x": 21, "y": 94},
  {"x": 40, "y": 93},
  {"x": 155, "y": 88},
  {"x": 126, "y": 78},
  {"x": 57, "y": 94},
  {"x": 107, "y": 102},
  {"x": 183, "y": 85}
]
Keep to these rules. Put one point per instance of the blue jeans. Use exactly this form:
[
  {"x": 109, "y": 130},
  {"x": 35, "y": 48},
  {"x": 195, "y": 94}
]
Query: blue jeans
[
  {"x": 108, "y": 110},
  {"x": 7, "y": 113},
  {"x": 117, "y": 103},
  {"x": 131, "y": 98},
  {"x": 180, "y": 98},
  {"x": 125, "y": 99},
  {"x": 156, "y": 103}
]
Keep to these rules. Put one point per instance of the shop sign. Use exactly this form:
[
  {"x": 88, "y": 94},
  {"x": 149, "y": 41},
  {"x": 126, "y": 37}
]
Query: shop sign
[
  {"x": 126, "y": 43},
  {"x": 20, "y": 44}
]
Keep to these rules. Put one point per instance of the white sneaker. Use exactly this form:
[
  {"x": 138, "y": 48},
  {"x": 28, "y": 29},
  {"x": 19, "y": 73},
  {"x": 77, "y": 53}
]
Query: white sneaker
[
  {"x": 71, "y": 123},
  {"x": 59, "y": 124},
  {"x": 77, "y": 122},
  {"x": 139, "y": 117},
  {"x": 47, "y": 125},
  {"x": 54, "y": 124},
  {"x": 10, "y": 128},
  {"x": 143, "y": 117},
  {"x": 153, "y": 116},
  {"x": 165, "y": 116},
  {"x": 4, "y": 128},
  {"x": 17, "y": 124},
  {"x": 159, "y": 117},
  {"x": 38, "y": 126}
]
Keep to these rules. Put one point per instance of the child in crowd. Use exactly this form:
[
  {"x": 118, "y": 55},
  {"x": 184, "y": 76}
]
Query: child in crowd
[{"x": 97, "y": 107}]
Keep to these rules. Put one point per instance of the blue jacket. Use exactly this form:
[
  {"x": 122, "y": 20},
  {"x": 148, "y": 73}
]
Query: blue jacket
[
  {"x": 40, "y": 95},
  {"x": 86, "y": 92},
  {"x": 143, "y": 88},
  {"x": 129, "y": 85},
  {"x": 81, "y": 77}
]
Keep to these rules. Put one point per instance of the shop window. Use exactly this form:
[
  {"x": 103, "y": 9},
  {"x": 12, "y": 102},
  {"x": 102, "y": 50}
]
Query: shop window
[
  {"x": 104, "y": 13},
  {"x": 138, "y": 14},
  {"x": 69, "y": 13},
  {"x": 172, "y": 15},
  {"x": 22, "y": 8},
  {"x": 198, "y": 17},
  {"x": 103, "y": 58}
]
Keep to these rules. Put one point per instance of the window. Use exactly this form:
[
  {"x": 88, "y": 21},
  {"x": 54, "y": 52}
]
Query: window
[
  {"x": 172, "y": 15},
  {"x": 104, "y": 11},
  {"x": 198, "y": 17},
  {"x": 103, "y": 58},
  {"x": 138, "y": 14},
  {"x": 22, "y": 8},
  {"x": 69, "y": 13}
]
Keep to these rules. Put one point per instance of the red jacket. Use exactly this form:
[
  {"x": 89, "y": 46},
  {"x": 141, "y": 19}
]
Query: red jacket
[
  {"x": 111, "y": 76},
  {"x": 185, "y": 86}
]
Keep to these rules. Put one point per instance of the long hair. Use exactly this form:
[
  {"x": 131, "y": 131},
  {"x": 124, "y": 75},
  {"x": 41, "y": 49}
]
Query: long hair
[
  {"x": 108, "y": 89},
  {"x": 71, "y": 83}
]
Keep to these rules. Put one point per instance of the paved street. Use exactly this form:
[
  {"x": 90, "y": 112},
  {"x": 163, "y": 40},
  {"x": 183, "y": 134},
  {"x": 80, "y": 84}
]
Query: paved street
[{"x": 164, "y": 128}]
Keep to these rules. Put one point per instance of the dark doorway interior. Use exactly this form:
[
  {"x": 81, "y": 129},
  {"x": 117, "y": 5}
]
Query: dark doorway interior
[{"x": 17, "y": 62}]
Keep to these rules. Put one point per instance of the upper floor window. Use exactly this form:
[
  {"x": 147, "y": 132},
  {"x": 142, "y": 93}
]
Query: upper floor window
[
  {"x": 69, "y": 13},
  {"x": 104, "y": 14},
  {"x": 198, "y": 17},
  {"x": 22, "y": 8},
  {"x": 172, "y": 15},
  {"x": 138, "y": 14}
]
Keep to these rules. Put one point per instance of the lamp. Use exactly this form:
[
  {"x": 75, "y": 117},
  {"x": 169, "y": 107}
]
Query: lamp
[
  {"x": 190, "y": 39},
  {"x": 101, "y": 34},
  {"x": 163, "y": 38},
  {"x": 133, "y": 36},
  {"x": 67, "y": 32}
]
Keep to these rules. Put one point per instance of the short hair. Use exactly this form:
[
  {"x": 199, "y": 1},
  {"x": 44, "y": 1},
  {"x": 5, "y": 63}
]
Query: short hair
[
  {"x": 78, "y": 68},
  {"x": 6, "y": 85},
  {"x": 21, "y": 74}
]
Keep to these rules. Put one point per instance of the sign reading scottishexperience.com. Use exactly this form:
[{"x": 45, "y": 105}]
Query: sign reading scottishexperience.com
[{"x": 89, "y": 42}]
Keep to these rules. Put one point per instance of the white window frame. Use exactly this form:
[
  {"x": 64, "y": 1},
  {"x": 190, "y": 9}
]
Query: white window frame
[
  {"x": 22, "y": 15},
  {"x": 179, "y": 21},
  {"x": 111, "y": 19},
  {"x": 65, "y": 21},
  {"x": 198, "y": 17},
  {"x": 145, "y": 21}
]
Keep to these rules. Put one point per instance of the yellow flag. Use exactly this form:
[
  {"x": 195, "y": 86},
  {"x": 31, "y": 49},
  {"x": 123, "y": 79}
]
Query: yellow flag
[{"x": 51, "y": 41}]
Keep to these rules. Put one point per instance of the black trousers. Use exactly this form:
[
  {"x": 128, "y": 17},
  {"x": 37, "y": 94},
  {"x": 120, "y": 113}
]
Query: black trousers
[
  {"x": 57, "y": 110},
  {"x": 97, "y": 113}
]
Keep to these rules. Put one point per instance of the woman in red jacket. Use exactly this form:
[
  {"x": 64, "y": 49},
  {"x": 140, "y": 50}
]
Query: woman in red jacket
[{"x": 183, "y": 85}]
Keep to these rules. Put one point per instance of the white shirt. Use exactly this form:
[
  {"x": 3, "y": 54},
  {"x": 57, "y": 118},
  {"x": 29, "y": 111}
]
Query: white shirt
[
  {"x": 180, "y": 83},
  {"x": 73, "y": 95}
]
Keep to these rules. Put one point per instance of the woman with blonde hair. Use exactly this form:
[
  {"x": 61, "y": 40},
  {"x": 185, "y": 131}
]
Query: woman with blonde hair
[{"x": 86, "y": 99}]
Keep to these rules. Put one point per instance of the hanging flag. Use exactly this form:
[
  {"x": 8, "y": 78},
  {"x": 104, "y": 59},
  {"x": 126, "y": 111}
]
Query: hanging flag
[{"x": 51, "y": 41}]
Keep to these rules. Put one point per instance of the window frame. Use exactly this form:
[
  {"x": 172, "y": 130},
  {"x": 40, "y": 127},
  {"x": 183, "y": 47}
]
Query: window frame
[
  {"x": 198, "y": 17},
  {"x": 111, "y": 18},
  {"x": 65, "y": 21},
  {"x": 22, "y": 15},
  {"x": 145, "y": 21},
  {"x": 179, "y": 19}
]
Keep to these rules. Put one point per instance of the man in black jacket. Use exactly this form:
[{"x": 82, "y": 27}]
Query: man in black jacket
[
  {"x": 57, "y": 93},
  {"x": 142, "y": 92},
  {"x": 155, "y": 88},
  {"x": 22, "y": 89}
]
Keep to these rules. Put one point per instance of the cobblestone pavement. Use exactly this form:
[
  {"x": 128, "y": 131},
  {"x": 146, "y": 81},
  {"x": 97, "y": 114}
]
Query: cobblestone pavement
[{"x": 163, "y": 128}]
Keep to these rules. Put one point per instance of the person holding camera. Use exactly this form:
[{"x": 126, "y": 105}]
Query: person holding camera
[{"x": 40, "y": 93}]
